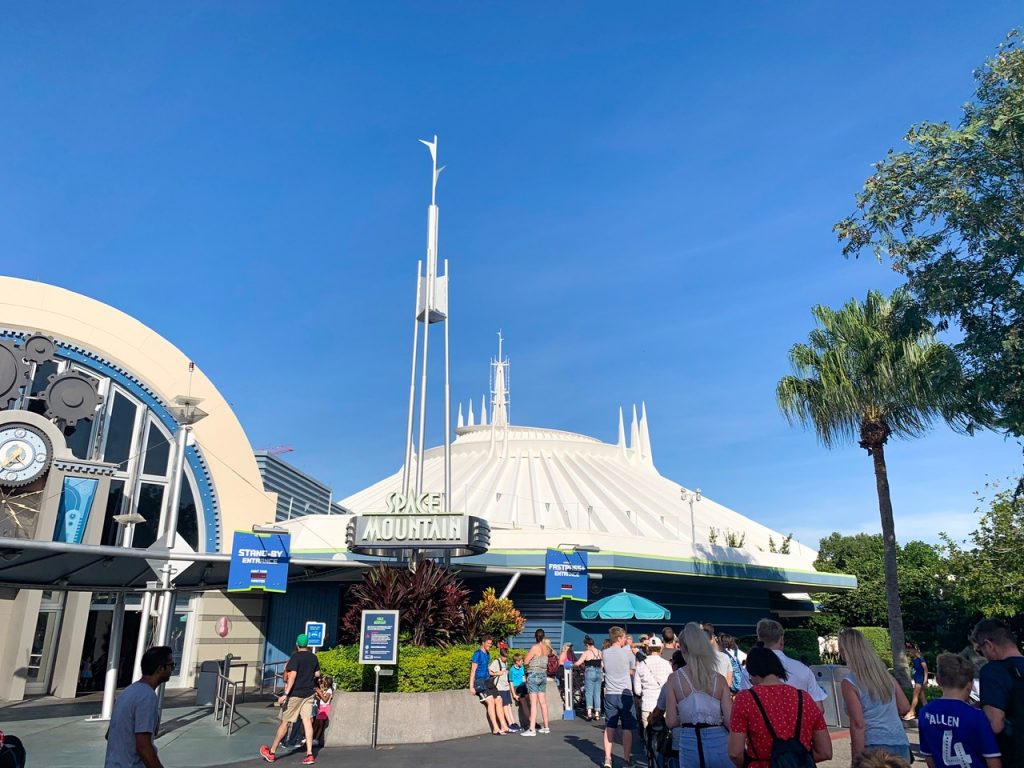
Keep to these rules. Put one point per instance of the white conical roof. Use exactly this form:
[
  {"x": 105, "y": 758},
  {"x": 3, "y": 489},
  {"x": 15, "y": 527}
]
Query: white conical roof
[{"x": 544, "y": 487}]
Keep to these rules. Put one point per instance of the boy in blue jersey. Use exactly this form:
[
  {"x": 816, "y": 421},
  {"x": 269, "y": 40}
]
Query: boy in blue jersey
[{"x": 953, "y": 733}]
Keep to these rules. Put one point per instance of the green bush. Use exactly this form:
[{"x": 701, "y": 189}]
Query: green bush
[
  {"x": 746, "y": 642},
  {"x": 802, "y": 644},
  {"x": 419, "y": 669},
  {"x": 879, "y": 639}
]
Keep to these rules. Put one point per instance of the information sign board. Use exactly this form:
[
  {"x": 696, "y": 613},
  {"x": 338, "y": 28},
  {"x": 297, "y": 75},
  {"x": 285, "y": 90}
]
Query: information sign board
[
  {"x": 378, "y": 637},
  {"x": 259, "y": 561},
  {"x": 565, "y": 575},
  {"x": 316, "y": 631}
]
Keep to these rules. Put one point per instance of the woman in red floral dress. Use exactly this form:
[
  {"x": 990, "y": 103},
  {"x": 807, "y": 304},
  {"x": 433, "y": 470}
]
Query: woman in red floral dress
[{"x": 749, "y": 735}]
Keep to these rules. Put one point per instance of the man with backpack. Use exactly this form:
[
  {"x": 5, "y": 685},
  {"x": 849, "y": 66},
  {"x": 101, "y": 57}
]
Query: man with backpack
[{"x": 1002, "y": 686}]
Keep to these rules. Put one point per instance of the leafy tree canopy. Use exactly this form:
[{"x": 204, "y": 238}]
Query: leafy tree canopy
[
  {"x": 948, "y": 212},
  {"x": 988, "y": 569}
]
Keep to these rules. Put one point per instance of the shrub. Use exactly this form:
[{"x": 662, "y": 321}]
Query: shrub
[
  {"x": 419, "y": 669},
  {"x": 802, "y": 644},
  {"x": 746, "y": 642},
  {"x": 432, "y": 603},
  {"x": 433, "y": 669},
  {"x": 879, "y": 639},
  {"x": 496, "y": 616}
]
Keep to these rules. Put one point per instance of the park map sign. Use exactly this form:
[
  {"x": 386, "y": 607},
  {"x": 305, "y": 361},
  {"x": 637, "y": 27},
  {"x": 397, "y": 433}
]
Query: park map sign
[{"x": 417, "y": 522}]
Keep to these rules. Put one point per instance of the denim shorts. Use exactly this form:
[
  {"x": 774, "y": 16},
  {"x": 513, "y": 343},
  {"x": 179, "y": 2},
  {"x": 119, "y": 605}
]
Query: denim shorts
[
  {"x": 900, "y": 750},
  {"x": 536, "y": 682},
  {"x": 620, "y": 709}
]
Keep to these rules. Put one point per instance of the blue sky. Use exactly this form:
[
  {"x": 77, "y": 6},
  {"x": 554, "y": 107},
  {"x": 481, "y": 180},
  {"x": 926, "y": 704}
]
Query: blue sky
[{"x": 641, "y": 198}]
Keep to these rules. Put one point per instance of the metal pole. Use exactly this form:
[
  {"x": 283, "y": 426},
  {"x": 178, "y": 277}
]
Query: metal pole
[
  {"x": 423, "y": 383},
  {"x": 147, "y": 610},
  {"x": 376, "y": 705},
  {"x": 511, "y": 584},
  {"x": 113, "y": 657},
  {"x": 407, "y": 465},
  {"x": 447, "y": 400},
  {"x": 163, "y": 632}
]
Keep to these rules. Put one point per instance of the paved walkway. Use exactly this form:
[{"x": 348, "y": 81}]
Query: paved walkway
[{"x": 57, "y": 736}]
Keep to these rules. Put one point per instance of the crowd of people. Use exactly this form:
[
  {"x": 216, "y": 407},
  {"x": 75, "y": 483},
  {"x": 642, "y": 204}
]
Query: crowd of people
[{"x": 698, "y": 701}]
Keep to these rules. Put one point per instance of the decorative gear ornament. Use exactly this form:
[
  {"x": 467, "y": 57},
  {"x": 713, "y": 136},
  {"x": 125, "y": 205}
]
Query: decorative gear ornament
[
  {"x": 71, "y": 396},
  {"x": 38, "y": 348},
  {"x": 14, "y": 372}
]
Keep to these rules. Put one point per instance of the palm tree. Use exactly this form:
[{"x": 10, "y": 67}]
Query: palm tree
[{"x": 870, "y": 371}]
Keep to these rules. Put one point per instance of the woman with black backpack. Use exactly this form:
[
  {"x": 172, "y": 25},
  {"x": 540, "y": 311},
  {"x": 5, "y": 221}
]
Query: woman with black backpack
[{"x": 774, "y": 725}]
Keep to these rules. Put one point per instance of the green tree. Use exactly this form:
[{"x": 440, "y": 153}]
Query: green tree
[
  {"x": 946, "y": 212},
  {"x": 988, "y": 569},
  {"x": 870, "y": 371},
  {"x": 920, "y": 569}
]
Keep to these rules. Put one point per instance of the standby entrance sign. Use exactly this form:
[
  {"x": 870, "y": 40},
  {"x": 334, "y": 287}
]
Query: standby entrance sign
[
  {"x": 259, "y": 561},
  {"x": 378, "y": 637}
]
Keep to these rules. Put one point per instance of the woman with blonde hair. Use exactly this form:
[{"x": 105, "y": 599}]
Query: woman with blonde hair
[
  {"x": 873, "y": 700},
  {"x": 699, "y": 704}
]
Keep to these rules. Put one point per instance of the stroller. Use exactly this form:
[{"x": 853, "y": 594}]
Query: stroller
[{"x": 658, "y": 744}]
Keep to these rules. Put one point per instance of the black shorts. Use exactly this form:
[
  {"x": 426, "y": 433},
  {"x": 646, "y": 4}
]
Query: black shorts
[{"x": 506, "y": 698}]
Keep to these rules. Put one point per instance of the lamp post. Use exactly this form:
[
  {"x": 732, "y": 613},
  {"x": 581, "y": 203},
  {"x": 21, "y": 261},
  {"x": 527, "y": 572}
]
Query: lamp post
[
  {"x": 689, "y": 497},
  {"x": 186, "y": 413}
]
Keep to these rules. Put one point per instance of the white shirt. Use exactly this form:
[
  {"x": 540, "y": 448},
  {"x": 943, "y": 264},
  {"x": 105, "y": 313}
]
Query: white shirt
[
  {"x": 651, "y": 675},
  {"x": 800, "y": 676}
]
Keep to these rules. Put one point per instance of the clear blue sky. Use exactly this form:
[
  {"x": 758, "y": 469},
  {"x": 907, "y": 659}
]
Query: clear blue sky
[{"x": 641, "y": 197}]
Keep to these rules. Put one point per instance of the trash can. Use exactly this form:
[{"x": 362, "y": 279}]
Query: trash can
[
  {"x": 206, "y": 683},
  {"x": 829, "y": 677}
]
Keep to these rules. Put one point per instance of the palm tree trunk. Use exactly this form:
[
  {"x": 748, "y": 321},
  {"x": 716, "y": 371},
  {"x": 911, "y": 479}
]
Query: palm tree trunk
[{"x": 892, "y": 589}]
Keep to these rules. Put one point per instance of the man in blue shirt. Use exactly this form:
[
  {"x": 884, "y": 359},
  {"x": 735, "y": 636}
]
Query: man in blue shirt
[
  {"x": 954, "y": 734},
  {"x": 481, "y": 686}
]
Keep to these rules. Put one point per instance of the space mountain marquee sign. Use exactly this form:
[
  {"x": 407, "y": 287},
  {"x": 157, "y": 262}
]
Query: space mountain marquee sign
[{"x": 417, "y": 521}]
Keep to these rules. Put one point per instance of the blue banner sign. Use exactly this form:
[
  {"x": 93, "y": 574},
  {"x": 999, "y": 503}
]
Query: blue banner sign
[
  {"x": 378, "y": 637},
  {"x": 259, "y": 561},
  {"x": 565, "y": 575},
  {"x": 75, "y": 503}
]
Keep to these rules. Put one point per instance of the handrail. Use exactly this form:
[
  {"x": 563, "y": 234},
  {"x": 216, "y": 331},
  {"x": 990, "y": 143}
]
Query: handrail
[
  {"x": 224, "y": 701},
  {"x": 276, "y": 676}
]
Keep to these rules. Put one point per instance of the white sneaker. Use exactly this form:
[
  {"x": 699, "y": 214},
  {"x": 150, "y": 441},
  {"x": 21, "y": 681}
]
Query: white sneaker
[
  {"x": 543, "y": 730},
  {"x": 528, "y": 733}
]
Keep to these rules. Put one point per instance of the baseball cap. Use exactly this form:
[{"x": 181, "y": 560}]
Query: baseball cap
[
  {"x": 302, "y": 641},
  {"x": 654, "y": 642}
]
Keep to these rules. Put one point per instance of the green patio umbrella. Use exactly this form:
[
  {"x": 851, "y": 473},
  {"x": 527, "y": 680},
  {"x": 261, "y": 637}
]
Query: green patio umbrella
[{"x": 625, "y": 605}]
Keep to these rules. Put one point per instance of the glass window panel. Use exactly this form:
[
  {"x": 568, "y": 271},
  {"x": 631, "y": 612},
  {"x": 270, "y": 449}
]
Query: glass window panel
[
  {"x": 41, "y": 380},
  {"x": 120, "y": 432},
  {"x": 115, "y": 505},
  {"x": 151, "y": 497},
  {"x": 79, "y": 439},
  {"x": 158, "y": 450},
  {"x": 188, "y": 519}
]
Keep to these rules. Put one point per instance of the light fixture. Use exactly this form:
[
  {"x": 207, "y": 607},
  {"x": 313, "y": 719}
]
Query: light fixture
[
  {"x": 580, "y": 547},
  {"x": 128, "y": 518},
  {"x": 269, "y": 529}
]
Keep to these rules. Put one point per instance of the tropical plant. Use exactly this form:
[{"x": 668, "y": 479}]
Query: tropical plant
[
  {"x": 946, "y": 212},
  {"x": 496, "y": 616},
  {"x": 871, "y": 371},
  {"x": 433, "y": 605},
  {"x": 735, "y": 539}
]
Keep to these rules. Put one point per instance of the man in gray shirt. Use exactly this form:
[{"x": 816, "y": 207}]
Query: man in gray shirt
[
  {"x": 619, "y": 708},
  {"x": 136, "y": 717}
]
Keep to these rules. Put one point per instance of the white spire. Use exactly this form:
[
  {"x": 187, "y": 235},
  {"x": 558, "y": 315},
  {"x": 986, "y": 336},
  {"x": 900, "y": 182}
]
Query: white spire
[
  {"x": 471, "y": 421},
  {"x": 634, "y": 434},
  {"x": 622, "y": 433},
  {"x": 460, "y": 424},
  {"x": 499, "y": 391},
  {"x": 483, "y": 410},
  {"x": 645, "y": 435}
]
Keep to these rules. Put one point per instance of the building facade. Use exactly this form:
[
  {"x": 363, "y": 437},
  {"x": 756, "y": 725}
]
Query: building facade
[
  {"x": 298, "y": 494},
  {"x": 93, "y": 390}
]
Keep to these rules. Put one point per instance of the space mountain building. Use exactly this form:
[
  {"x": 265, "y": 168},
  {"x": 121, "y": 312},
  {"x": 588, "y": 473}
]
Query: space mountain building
[{"x": 539, "y": 488}]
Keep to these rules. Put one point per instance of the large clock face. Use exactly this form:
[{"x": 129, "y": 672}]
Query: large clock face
[{"x": 25, "y": 454}]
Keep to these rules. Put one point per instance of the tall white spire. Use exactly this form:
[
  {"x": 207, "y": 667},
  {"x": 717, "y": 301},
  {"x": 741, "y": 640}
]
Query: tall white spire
[
  {"x": 483, "y": 410},
  {"x": 460, "y": 424},
  {"x": 634, "y": 434},
  {"x": 471, "y": 420},
  {"x": 499, "y": 388},
  {"x": 622, "y": 433},
  {"x": 645, "y": 436}
]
